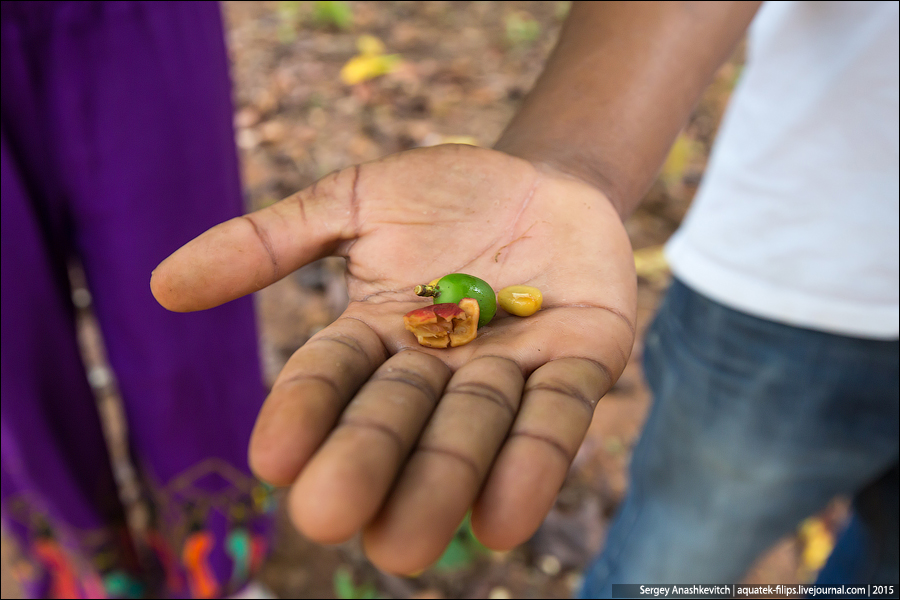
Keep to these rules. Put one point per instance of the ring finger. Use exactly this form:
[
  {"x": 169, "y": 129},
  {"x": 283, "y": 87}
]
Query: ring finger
[{"x": 444, "y": 474}]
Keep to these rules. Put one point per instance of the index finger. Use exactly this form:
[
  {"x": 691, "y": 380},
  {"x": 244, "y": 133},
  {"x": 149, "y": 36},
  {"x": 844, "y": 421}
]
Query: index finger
[
  {"x": 247, "y": 253},
  {"x": 309, "y": 396}
]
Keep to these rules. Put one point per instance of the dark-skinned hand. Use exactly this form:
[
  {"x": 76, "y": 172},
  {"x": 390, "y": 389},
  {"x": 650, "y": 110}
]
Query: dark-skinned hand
[{"x": 376, "y": 434}]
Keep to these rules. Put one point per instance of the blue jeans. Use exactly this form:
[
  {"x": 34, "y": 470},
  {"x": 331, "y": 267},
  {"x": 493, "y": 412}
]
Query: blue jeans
[{"x": 755, "y": 425}]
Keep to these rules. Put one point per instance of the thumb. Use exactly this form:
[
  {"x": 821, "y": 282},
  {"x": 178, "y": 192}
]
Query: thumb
[{"x": 247, "y": 253}]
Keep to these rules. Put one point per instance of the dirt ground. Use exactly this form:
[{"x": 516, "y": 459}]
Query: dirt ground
[{"x": 463, "y": 68}]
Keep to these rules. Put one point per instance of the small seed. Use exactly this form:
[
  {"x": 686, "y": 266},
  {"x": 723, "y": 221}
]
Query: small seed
[{"x": 520, "y": 300}]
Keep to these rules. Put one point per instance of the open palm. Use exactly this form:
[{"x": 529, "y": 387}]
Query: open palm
[{"x": 377, "y": 434}]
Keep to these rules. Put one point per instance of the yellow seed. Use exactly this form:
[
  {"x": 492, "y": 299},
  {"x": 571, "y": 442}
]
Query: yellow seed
[{"x": 520, "y": 300}]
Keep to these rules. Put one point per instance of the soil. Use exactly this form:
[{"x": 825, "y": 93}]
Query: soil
[{"x": 465, "y": 66}]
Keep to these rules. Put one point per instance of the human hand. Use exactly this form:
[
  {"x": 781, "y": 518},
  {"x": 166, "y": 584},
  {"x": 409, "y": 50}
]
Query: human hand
[{"x": 375, "y": 433}]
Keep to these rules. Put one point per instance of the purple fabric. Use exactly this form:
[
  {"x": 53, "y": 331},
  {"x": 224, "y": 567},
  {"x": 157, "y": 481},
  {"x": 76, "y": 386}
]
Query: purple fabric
[{"x": 117, "y": 148}]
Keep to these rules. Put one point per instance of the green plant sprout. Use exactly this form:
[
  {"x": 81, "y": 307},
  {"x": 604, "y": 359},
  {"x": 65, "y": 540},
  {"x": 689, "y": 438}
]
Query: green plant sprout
[
  {"x": 463, "y": 550},
  {"x": 332, "y": 13},
  {"x": 521, "y": 29},
  {"x": 346, "y": 589}
]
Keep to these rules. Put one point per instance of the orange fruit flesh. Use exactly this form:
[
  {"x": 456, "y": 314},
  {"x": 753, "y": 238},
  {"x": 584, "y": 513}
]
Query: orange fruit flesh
[{"x": 442, "y": 325}]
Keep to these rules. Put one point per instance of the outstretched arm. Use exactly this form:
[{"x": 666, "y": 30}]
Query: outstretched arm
[
  {"x": 375, "y": 433},
  {"x": 620, "y": 85}
]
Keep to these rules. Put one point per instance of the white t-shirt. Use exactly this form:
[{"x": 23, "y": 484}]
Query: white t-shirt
[{"x": 797, "y": 217}]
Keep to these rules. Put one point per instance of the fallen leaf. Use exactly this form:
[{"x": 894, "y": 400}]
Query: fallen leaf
[
  {"x": 650, "y": 263},
  {"x": 680, "y": 156},
  {"x": 369, "y": 45},
  {"x": 365, "y": 67},
  {"x": 816, "y": 543},
  {"x": 371, "y": 62}
]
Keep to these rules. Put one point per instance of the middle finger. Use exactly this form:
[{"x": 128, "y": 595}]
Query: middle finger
[{"x": 442, "y": 478}]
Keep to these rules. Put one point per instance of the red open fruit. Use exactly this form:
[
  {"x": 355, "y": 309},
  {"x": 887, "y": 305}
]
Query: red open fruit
[{"x": 442, "y": 325}]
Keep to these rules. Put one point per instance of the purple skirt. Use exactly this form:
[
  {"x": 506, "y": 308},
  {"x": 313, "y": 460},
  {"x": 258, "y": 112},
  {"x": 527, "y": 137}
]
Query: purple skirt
[{"x": 117, "y": 148}]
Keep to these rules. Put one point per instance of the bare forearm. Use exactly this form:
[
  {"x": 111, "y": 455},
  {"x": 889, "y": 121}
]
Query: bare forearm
[{"x": 619, "y": 87}]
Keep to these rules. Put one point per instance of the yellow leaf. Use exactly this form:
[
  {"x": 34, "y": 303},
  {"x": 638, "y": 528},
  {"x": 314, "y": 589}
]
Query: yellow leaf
[
  {"x": 459, "y": 139},
  {"x": 816, "y": 543},
  {"x": 680, "y": 155},
  {"x": 650, "y": 263},
  {"x": 369, "y": 45},
  {"x": 364, "y": 67},
  {"x": 371, "y": 62}
]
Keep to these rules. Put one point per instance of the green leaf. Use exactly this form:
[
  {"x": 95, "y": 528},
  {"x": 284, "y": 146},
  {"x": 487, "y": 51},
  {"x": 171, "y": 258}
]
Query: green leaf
[
  {"x": 463, "y": 549},
  {"x": 333, "y": 13},
  {"x": 368, "y": 592},
  {"x": 288, "y": 18},
  {"x": 522, "y": 29},
  {"x": 344, "y": 588},
  {"x": 456, "y": 556}
]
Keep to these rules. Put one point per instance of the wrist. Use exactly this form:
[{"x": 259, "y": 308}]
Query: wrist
[{"x": 570, "y": 162}]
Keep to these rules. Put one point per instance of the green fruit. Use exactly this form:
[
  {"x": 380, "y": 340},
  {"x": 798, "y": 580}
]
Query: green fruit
[{"x": 456, "y": 286}]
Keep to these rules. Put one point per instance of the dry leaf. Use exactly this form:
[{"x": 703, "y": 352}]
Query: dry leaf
[
  {"x": 371, "y": 62},
  {"x": 650, "y": 263},
  {"x": 680, "y": 156},
  {"x": 816, "y": 542},
  {"x": 459, "y": 139},
  {"x": 369, "y": 45}
]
